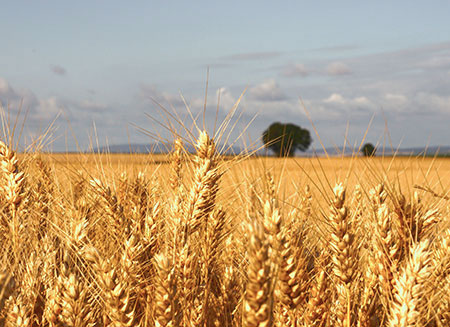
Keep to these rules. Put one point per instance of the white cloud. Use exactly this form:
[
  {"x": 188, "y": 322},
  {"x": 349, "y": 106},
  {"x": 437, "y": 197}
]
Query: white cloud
[
  {"x": 335, "y": 98},
  {"x": 268, "y": 90},
  {"x": 152, "y": 93},
  {"x": 4, "y": 86},
  {"x": 92, "y": 105},
  {"x": 16, "y": 99},
  {"x": 397, "y": 98},
  {"x": 49, "y": 108},
  {"x": 44, "y": 110},
  {"x": 338, "y": 68},
  {"x": 417, "y": 104},
  {"x": 253, "y": 56},
  {"x": 227, "y": 100},
  {"x": 58, "y": 70},
  {"x": 296, "y": 70},
  {"x": 337, "y": 48},
  {"x": 395, "y": 101},
  {"x": 362, "y": 101},
  {"x": 437, "y": 62},
  {"x": 430, "y": 102}
]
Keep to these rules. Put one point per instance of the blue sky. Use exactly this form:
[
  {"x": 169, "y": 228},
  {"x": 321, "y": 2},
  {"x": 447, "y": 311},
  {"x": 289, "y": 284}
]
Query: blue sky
[{"x": 103, "y": 62}]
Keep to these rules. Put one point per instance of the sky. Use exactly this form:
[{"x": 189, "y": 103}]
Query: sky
[{"x": 105, "y": 69}]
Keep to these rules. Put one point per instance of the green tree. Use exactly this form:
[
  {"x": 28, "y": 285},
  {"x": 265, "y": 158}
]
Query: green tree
[
  {"x": 284, "y": 139},
  {"x": 368, "y": 150}
]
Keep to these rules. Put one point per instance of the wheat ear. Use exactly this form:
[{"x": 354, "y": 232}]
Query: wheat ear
[
  {"x": 119, "y": 307},
  {"x": 75, "y": 309},
  {"x": 318, "y": 304},
  {"x": 408, "y": 303},
  {"x": 164, "y": 292},
  {"x": 202, "y": 196},
  {"x": 12, "y": 189},
  {"x": 6, "y": 287},
  {"x": 258, "y": 300},
  {"x": 292, "y": 280},
  {"x": 344, "y": 255},
  {"x": 20, "y": 314}
]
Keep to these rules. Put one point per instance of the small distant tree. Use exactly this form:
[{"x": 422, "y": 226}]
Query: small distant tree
[
  {"x": 285, "y": 139},
  {"x": 368, "y": 150}
]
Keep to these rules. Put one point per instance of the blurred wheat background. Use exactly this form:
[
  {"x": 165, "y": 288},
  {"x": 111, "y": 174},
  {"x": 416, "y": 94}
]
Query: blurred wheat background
[{"x": 207, "y": 240}]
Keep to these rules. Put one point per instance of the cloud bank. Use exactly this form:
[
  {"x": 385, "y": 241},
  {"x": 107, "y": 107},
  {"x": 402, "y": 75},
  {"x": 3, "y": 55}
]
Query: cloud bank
[{"x": 408, "y": 88}]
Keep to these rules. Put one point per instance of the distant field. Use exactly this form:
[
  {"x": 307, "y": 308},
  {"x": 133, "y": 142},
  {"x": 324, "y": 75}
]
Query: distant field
[{"x": 322, "y": 172}]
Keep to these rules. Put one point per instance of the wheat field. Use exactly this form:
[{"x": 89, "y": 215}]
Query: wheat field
[{"x": 208, "y": 240}]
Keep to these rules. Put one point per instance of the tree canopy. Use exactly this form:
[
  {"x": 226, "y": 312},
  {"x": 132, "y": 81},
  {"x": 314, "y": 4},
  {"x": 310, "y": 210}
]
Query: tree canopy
[
  {"x": 368, "y": 150},
  {"x": 285, "y": 139}
]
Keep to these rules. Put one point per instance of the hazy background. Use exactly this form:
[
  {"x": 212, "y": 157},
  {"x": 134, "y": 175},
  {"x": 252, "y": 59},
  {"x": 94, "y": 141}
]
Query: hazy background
[{"x": 103, "y": 61}]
